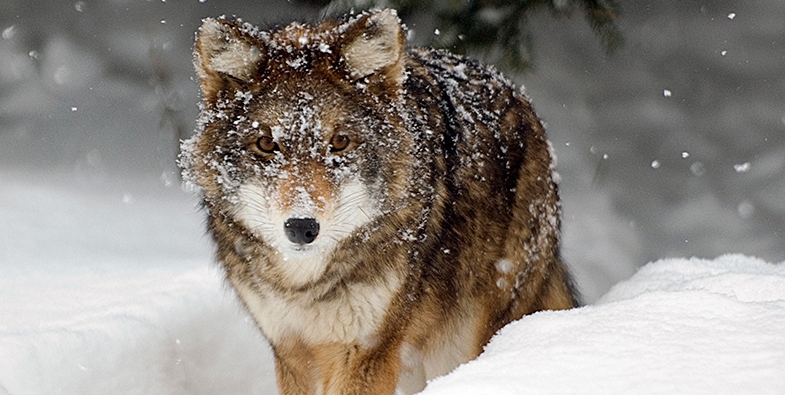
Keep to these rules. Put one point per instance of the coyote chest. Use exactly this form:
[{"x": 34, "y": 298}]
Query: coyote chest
[
  {"x": 381, "y": 211},
  {"x": 351, "y": 315}
]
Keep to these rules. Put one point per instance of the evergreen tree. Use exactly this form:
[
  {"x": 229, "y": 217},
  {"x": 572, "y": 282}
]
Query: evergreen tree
[{"x": 496, "y": 29}]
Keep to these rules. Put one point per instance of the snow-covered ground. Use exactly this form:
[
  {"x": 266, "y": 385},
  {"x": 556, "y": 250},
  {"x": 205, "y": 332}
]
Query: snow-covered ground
[
  {"x": 674, "y": 147},
  {"x": 112, "y": 291},
  {"x": 676, "y": 327}
]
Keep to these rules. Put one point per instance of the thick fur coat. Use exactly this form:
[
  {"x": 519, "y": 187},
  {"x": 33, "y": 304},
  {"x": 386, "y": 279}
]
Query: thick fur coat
[{"x": 381, "y": 211}]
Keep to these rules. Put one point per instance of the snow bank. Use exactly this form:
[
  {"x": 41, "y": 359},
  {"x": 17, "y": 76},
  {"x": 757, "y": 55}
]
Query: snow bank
[
  {"x": 156, "y": 332},
  {"x": 677, "y": 326},
  {"x": 110, "y": 289}
]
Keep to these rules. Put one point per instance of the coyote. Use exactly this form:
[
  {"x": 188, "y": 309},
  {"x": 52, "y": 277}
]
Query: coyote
[{"x": 380, "y": 210}]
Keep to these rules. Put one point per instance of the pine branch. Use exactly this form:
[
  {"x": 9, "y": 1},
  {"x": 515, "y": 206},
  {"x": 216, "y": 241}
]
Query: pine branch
[{"x": 497, "y": 29}]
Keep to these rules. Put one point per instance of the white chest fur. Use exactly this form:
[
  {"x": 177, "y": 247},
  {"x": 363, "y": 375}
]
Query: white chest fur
[{"x": 353, "y": 315}]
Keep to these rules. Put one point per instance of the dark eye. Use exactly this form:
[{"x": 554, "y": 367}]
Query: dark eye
[
  {"x": 339, "y": 142},
  {"x": 266, "y": 145}
]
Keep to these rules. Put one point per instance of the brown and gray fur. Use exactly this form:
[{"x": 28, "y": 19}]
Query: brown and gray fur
[{"x": 430, "y": 178}]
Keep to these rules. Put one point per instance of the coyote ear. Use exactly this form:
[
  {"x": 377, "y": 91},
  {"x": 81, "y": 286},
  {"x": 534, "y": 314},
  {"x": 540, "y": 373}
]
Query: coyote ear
[
  {"x": 223, "y": 49},
  {"x": 375, "y": 43}
]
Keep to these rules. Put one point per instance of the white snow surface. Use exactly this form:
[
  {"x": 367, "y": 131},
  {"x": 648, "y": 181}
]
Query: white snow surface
[
  {"x": 112, "y": 289},
  {"x": 688, "y": 326}
]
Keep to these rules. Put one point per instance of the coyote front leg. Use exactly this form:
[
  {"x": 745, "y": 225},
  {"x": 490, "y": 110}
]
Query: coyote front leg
[{"x": 337, "y": 369}]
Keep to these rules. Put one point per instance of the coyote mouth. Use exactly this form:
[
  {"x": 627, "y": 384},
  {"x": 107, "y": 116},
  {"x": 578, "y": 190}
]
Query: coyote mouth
[
  {"x": 302, "y": 248},
  {"x": 301, "y": 251}
]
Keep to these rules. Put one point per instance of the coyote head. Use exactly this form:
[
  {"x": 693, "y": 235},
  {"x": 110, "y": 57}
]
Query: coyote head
[{"x": 301, "y": 139}]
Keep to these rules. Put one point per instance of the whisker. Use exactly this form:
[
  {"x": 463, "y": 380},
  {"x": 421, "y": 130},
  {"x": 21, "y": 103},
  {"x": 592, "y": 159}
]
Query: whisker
[{"x": 364, "y": 213}]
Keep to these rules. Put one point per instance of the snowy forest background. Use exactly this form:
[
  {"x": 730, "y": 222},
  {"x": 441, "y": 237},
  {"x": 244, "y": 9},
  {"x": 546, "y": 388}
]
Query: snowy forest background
[{"x": 674, "y": 146}]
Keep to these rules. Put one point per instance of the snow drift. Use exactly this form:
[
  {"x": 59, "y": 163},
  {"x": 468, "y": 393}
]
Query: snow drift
[
  {"x": 677, "y": 326},
  {"x": 113, "y": 291}
]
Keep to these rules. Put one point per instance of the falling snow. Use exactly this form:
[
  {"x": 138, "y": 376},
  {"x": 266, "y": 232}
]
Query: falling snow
[{"x": 90, "y": 226}]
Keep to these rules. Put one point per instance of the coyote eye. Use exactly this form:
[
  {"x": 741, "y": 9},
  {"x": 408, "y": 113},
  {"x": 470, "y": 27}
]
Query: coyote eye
[
  {"x": 339, "y": 142},
  {"x": 266, "y": 145}
]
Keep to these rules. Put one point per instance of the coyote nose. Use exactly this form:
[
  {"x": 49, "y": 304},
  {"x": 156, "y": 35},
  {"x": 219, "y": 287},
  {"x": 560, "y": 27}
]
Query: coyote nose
[{"x": 301, "y": 230}]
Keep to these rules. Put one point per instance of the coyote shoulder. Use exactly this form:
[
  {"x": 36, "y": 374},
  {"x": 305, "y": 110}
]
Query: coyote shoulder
[{"x": 380, "y": 210}]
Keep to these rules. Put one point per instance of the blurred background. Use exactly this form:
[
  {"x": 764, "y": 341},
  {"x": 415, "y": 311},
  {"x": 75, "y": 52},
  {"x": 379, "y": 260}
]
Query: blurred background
[{"x": 671, "y": 144}]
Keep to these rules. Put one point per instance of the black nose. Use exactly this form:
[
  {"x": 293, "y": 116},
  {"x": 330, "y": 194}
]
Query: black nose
[{"x": 301, "y": 230}]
